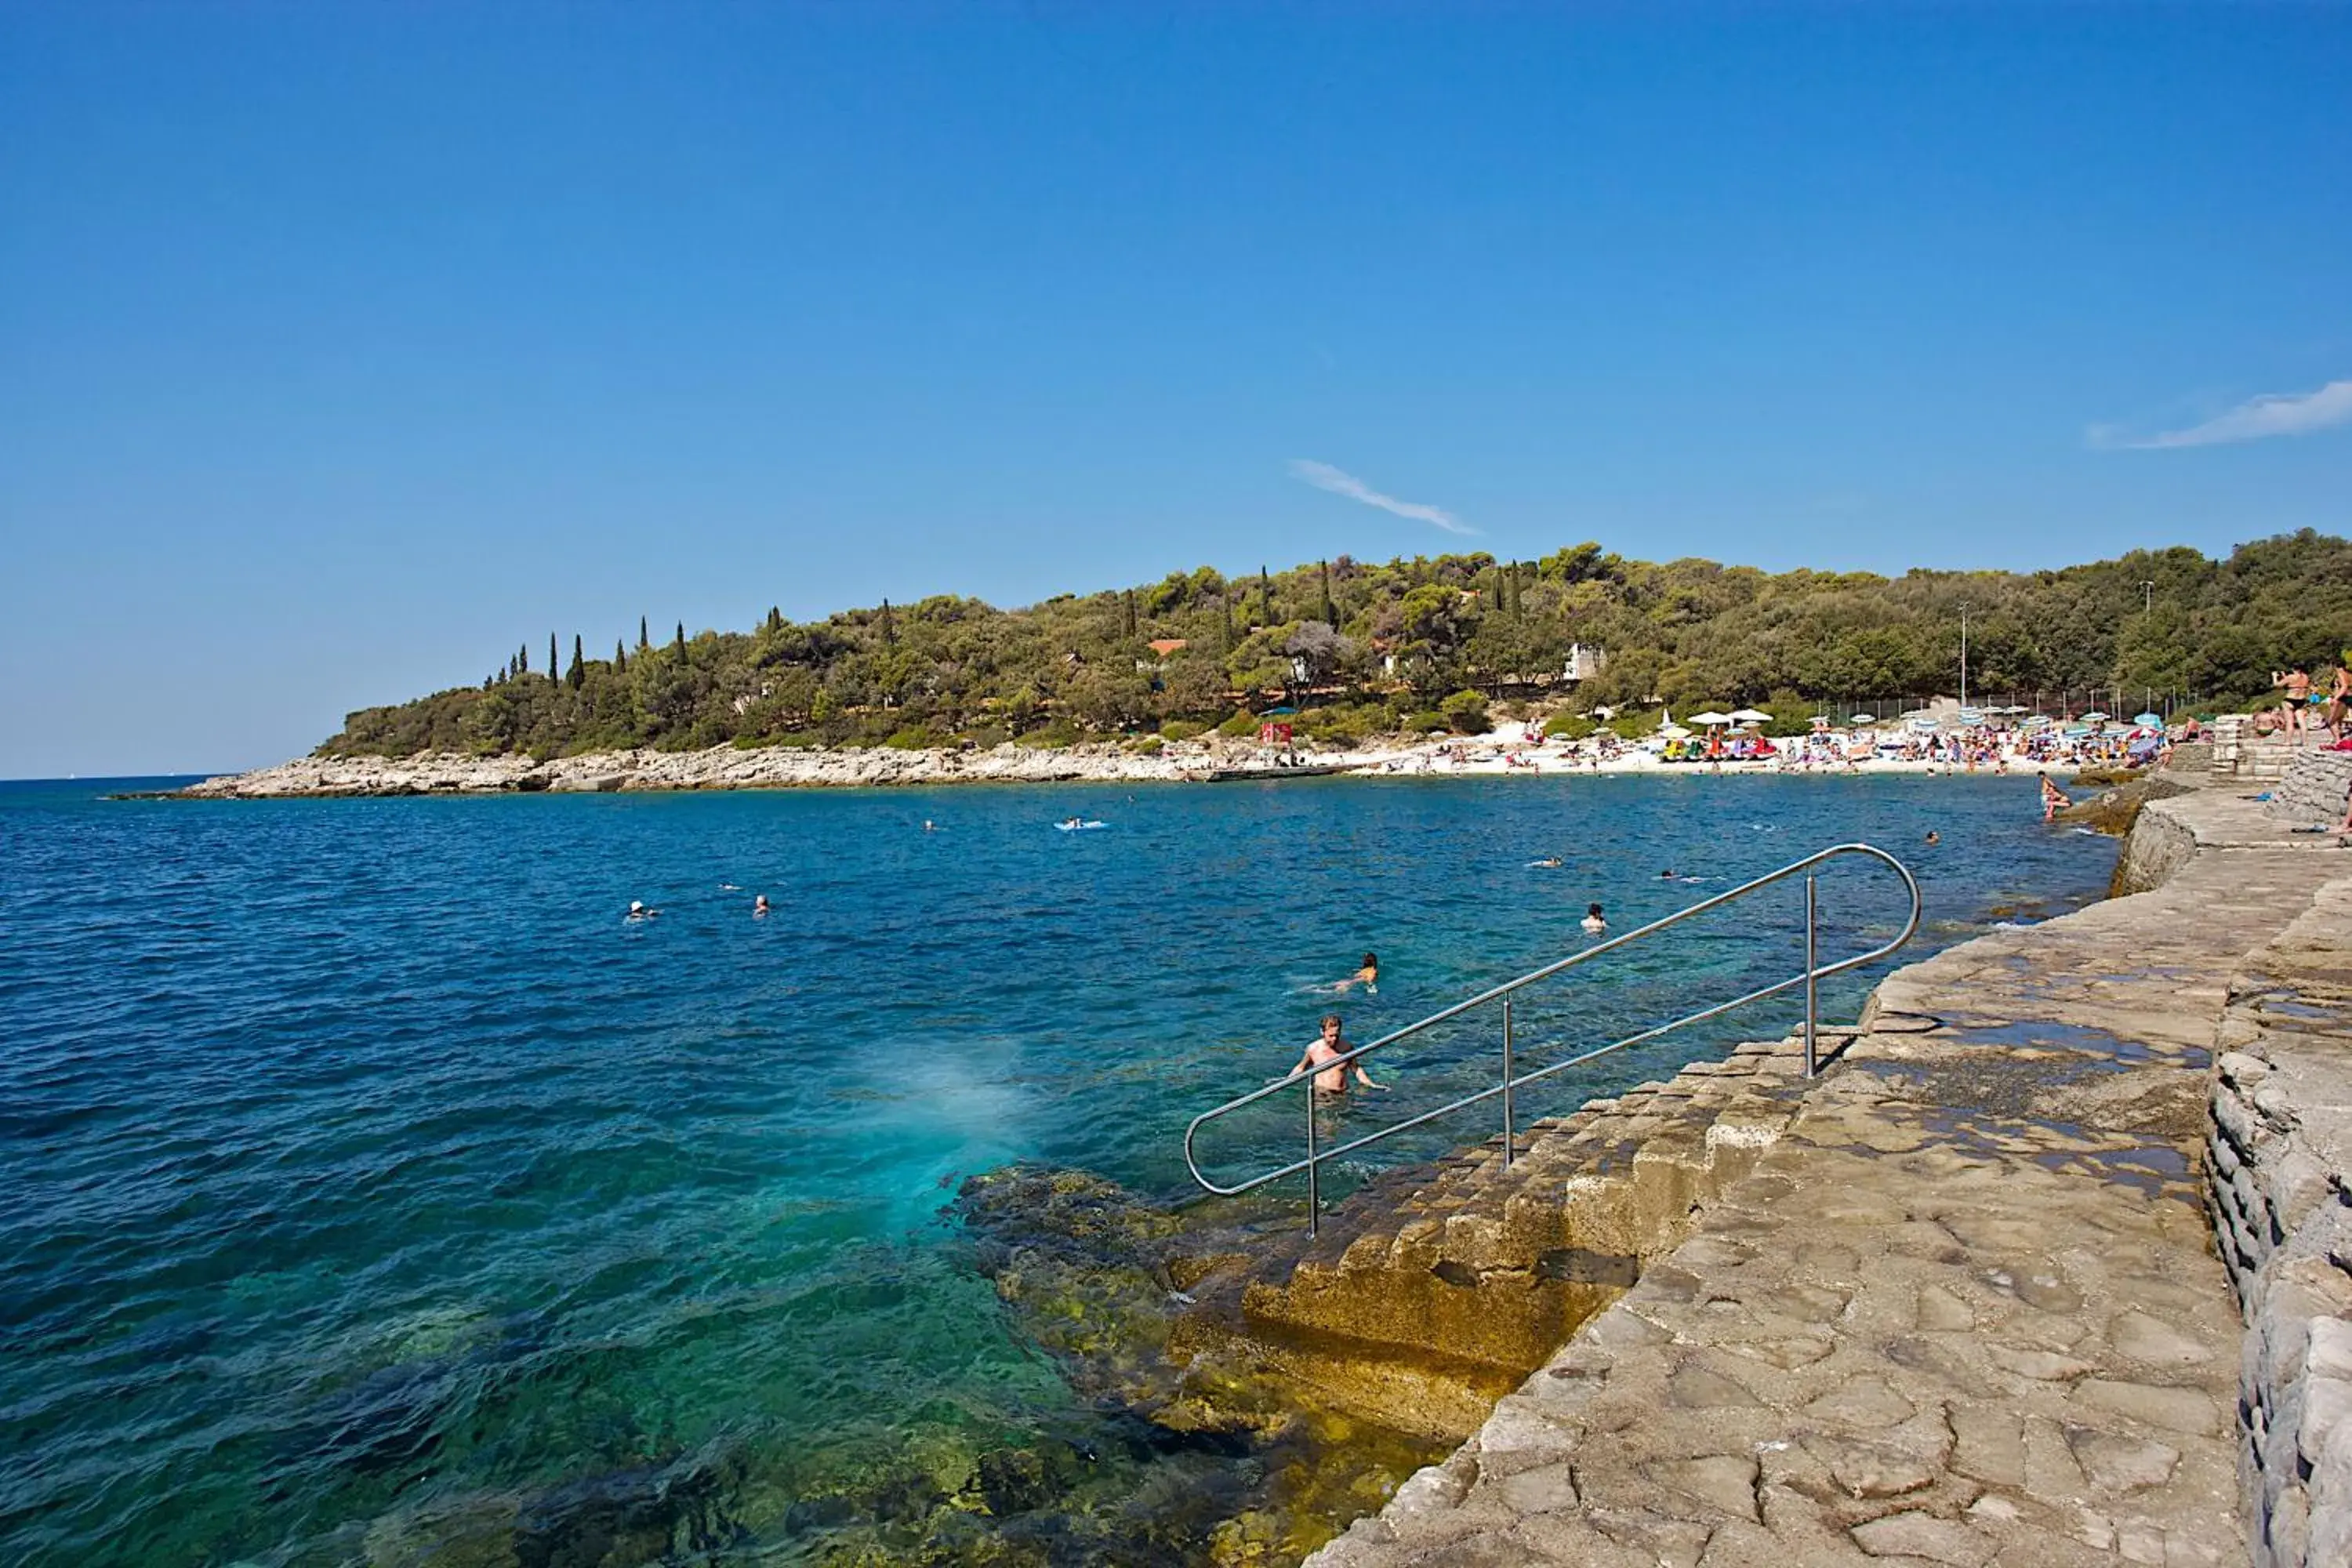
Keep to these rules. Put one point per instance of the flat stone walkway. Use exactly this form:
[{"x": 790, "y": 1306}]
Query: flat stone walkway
[{"x": 1967, "y": 1311}]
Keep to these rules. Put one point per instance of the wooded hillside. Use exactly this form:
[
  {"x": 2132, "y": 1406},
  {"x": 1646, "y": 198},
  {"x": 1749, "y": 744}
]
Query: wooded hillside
[{"x": 1393, "y": 646}]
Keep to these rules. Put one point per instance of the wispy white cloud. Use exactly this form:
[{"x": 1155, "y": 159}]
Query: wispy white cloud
[
  {"x": 2272, "y": 413},
  {"x": 1339, "y": 482}
]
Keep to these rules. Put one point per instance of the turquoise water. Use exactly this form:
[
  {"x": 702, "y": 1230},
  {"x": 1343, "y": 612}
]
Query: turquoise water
[{"x": 369, "y": 1177}]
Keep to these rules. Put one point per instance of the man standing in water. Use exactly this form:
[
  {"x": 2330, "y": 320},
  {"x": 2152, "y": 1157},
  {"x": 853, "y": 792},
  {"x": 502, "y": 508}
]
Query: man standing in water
[{"x": 1329, "y": 1048}]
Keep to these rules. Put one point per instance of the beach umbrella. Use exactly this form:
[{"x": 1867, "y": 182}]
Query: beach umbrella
[
  {"x": 2094, "y": 717},
  {"x": 2149, "y": 719},
  {"x": 1863, "y": 719},
  {"x": 1710, "y": 717},
  {"x": 1674, "y": 731},
  {"x": 1750, "y": 716}
]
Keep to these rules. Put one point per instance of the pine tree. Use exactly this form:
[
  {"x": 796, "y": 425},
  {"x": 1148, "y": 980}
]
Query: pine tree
[
  {"x": 578, "y": 673},
  {"x": 642, "y": 641},
  {"x": 1330, "y": 614}
]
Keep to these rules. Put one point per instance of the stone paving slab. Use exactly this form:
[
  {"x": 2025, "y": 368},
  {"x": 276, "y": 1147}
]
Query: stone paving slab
[{"x": 1967, "y": 1310}]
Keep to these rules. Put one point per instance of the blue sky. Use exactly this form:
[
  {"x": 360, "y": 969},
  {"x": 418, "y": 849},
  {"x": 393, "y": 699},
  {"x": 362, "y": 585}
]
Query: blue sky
[{"x": 344, "y": 348}]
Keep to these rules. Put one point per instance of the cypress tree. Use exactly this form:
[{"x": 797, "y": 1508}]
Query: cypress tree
[
  {"x": 1265, "y": 598},
  {"x": 775, "y": 619},
  {"x": 1331, "y": 615},
  {"x": 681, "y": 636},
  {"x": 642, "y": 640},
  {"x": 889, "y": 625},
  {"x": 551, "y": 666},
  {"x": 1127, "y": 609},
  {"x": 522, "y": 660},
  {"x": 620, "y": 657},
  {"x": 578, "y": 673}
]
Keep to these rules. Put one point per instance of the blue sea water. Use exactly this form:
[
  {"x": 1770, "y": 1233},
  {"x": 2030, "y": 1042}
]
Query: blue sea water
[{"x": 367, "y": 1174}]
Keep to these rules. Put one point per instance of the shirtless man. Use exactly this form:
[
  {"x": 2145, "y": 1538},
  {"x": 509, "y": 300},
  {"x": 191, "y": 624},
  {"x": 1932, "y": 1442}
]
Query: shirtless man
[{"x": 1330, "y": 1047}]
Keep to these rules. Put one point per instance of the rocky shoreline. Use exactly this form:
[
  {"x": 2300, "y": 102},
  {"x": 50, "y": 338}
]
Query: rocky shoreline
[
  {"x": 722, "y": 767},
  {"x": 1110, "y": 762}
]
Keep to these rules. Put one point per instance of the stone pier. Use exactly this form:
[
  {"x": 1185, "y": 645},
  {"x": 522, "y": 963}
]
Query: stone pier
[{"x": 1965, "y": 1306}]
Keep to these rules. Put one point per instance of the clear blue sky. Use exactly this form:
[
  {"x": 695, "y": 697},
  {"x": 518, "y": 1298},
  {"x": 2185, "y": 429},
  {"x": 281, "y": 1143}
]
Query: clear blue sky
[{"x": 343, "y": 348}]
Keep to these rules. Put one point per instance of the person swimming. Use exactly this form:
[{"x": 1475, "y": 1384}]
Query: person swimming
[
  {"x": 1668, "y": 875},
  {"x": 640, "y": 910},
  {"x": 1368, "y": 975},
  {"x": 1326, "y": 1048},
  {"x": 1548, "y": 863},
  {"x": 1594, "y": 921},
  {"x": 1934, "y": 836},
  {"x": 759, "y": 905}
]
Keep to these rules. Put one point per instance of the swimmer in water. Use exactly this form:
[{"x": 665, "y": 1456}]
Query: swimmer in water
[
  {"x": 1668, "y": 875},
  {"x": 1326, "y": 1047},
  {"x": 1934, "y": 836},
  {"x": 929, "y": 826},
  {"x": 1594, "y": 921},
  {"x": 1548, "y": 863},
  {"x": 639, "y": 910},
  {"x": 760, "y": 906},
  {"x": 1368, "y": 975}
]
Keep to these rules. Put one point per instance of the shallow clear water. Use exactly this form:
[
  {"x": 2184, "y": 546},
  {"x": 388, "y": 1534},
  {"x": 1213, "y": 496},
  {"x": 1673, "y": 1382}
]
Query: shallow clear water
[{"x": 364, "y": 1167}]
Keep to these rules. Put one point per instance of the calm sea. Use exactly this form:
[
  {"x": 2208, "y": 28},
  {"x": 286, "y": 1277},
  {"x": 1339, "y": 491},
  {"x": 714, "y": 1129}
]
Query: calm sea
[{"x": 367, "y": 1172}]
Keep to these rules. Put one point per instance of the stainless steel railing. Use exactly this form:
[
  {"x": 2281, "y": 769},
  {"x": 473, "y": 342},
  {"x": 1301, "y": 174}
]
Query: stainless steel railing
[{"x": 1508, "y": 1084}]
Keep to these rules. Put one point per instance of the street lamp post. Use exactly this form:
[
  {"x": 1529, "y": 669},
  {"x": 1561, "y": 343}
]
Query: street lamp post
[{"x": 1964, "y": 656}]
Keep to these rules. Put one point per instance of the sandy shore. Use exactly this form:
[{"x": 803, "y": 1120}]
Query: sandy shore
[{"x": 727, "y": 767}]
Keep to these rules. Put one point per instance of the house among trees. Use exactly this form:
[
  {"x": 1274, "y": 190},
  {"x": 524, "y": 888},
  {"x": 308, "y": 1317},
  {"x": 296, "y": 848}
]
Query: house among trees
[{"x": 1584, "y": 663}]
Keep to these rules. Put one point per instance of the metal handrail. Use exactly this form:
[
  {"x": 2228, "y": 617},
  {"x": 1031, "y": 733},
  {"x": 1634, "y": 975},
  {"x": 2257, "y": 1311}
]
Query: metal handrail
[{"x": 1814, "y": 972}]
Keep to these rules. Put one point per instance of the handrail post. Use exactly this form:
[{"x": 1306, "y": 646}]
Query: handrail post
[
  {"x": 1812, "y": 1008},
  {"x": 1507, "y": 1082},
  {"x": 1313, "y": 1183}
]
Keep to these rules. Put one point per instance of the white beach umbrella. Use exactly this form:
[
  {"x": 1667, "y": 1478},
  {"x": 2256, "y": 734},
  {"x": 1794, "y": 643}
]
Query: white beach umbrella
[
  {"x": 1710, "y": 717},
  {"x": 1863, "y": 719},
  {"x": 2094, "y": 717},
  {"x": 1750, "y": 716},
  {"x": 1674, "y": 731}
]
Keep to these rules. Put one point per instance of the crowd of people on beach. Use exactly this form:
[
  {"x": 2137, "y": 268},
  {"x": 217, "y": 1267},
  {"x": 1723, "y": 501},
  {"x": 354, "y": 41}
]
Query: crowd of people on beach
[{"x": 2091, "y": 741}]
